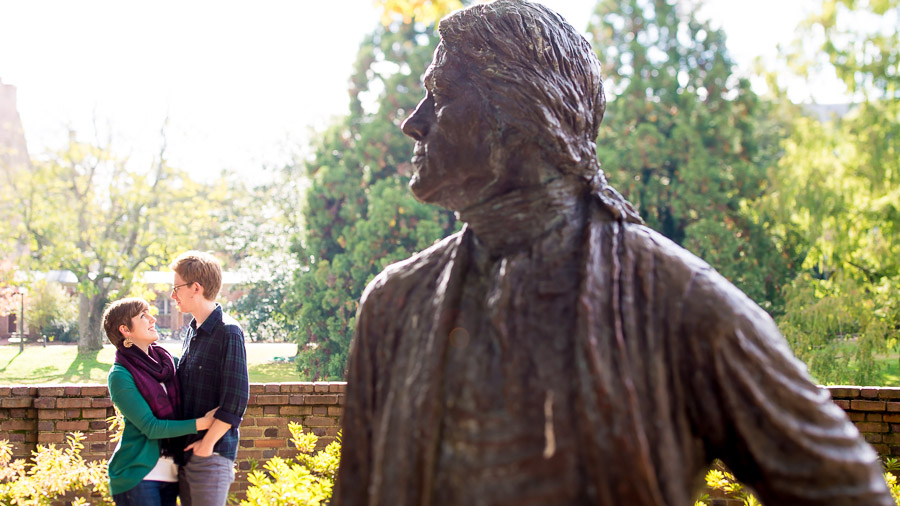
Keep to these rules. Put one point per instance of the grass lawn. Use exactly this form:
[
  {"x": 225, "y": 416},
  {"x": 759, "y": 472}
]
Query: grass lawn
[
  {"x": 890, "y": 371},
  {"x": 887, "y": 366},
  {"x": 59, "y": 363}
]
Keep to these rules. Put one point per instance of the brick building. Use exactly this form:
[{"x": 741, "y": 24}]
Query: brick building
[
  {"x": 13, "y": 150},
  {"x": 13, "y": 159}
]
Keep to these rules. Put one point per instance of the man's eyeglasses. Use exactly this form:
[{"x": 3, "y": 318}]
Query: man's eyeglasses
[{"x": 176, "y": 287}]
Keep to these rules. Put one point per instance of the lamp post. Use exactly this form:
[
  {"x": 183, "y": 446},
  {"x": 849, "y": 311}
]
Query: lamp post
[{"x": 21, "y": 291}]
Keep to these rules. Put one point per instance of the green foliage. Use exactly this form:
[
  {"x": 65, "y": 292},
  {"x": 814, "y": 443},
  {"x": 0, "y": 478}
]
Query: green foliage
[
  {"x": 682, "y": 140},
  {"x": 359, "y": 215},
  {"x": 50, "y": 309},
  {"x": 257, "y": 232},
  {"x": 838, "y": 188},
  {"x": 834, "y": 326},
  {"x": 85, "y": 210},
  {"x": 861, "y": 40},
  {"x": 307, "y": 481},
  {"x": 64, "y": 332},
  {"x": 53, "y": 473},
  {"x": 423, "y": 11},
  {"x": 259, "y": 310}
]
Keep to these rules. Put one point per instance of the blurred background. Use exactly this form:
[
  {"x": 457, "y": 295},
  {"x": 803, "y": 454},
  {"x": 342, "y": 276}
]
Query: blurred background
[{"x": 762, "y": 136}]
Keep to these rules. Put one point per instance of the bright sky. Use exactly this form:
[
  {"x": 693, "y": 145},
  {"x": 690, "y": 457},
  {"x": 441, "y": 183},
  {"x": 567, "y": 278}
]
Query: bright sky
[{"x": 240, "y": 86}]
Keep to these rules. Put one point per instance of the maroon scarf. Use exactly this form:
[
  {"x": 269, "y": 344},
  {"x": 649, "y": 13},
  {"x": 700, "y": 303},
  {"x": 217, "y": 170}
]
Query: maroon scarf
[{"x": 151, "y": 370}]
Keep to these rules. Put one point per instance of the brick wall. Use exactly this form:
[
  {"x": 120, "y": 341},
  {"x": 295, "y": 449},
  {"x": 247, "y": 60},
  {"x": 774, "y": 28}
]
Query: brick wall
[
  {"x": 264, "y": 431},
  {"x": 31, "y": 415},
  {"x": 876, "y": 413},
  {"x": 44, "y": 414}
]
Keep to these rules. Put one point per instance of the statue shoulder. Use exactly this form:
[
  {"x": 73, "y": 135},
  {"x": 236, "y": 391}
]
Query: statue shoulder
[
  {"x": 647, "y": 251},
  {"x": 413, "y": 271},
  {"x": 646, "y": 239},
  {"x": 709, "y": 299},
  {"x": 705, "y": 294}
]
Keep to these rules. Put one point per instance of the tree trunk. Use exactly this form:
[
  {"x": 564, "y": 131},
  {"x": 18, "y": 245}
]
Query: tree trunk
[{"x": 90, "y": 325}]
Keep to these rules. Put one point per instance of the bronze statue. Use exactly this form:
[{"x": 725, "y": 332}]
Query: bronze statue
[{"x": 556, "y": 351}]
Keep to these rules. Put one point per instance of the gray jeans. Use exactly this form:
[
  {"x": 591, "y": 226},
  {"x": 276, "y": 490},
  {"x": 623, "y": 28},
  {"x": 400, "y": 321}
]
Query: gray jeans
[{"x": 204, "y": 481}]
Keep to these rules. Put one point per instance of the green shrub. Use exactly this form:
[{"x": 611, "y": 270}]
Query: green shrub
[
  {"x": 64, "y": 332},
  {"x": 306, "y": 481},
  {"x": 52, "y": 474}
]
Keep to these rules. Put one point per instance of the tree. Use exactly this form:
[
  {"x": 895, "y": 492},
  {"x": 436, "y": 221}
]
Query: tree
[
  {"x": 860, "y": 40},
  {"x": 838, "y": 184},
  {"x": 84, "y": 210},
  {"x": 48, "y": 306},
  {"x": 427, "y": 12},
  {"x": 359, "y": 215},
  {"x": 258, "y": 231},
  {"x": 682, "y": 139}
]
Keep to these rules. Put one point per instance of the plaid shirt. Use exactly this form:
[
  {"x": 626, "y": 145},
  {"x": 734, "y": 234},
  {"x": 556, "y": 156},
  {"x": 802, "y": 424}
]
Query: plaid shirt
[{"x": 213, "y": 372}]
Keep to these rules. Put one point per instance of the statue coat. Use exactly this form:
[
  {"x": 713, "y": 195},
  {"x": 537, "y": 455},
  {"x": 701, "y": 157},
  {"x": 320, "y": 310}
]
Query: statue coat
[{"x": 673, "y": 367}]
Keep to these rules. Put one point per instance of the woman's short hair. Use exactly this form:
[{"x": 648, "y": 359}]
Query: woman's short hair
[{"x": 120, "y": 313}]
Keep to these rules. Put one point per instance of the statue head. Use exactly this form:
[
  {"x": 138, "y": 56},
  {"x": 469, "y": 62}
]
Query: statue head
[{"x": 514, "y": 98}]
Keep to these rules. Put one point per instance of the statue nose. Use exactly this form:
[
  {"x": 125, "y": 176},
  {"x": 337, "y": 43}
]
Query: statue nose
[{"x": 418, "y": 123}]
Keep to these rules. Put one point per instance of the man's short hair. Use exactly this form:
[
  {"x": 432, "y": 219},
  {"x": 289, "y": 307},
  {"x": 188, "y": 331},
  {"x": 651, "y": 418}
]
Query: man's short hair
[
  {"x": 120, "y": 313},
  {"x": 543, "y": 76},
  {"x": 201, "y": 268}
]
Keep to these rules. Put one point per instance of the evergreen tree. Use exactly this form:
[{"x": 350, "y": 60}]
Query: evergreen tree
[
  {"x": 359, "y": 214},
  {"x": 682, "y": 139}
]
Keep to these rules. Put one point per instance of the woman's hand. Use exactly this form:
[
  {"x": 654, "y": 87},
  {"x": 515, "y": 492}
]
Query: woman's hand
[{"x": 207, "y": 420}]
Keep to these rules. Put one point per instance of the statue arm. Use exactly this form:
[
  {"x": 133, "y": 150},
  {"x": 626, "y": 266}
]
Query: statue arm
[
  {"x": 775, "y": 429},
  {"x": 354, "y": 472}
]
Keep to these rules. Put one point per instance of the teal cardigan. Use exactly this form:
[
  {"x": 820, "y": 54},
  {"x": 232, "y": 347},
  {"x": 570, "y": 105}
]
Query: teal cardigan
[{"x": 138, "y": 451}]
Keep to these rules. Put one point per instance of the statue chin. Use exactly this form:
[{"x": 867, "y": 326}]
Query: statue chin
[
  {"x": 456, "y": 189},
  {"x": 440, "y": 195},
  {"x": 429, "y": 190},
  {"x": 419, "y": 188}
]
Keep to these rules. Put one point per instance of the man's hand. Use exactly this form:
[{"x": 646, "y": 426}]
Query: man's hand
[
  {"x": 201, "y": 449},
  {"x": 204, "y": 447}
]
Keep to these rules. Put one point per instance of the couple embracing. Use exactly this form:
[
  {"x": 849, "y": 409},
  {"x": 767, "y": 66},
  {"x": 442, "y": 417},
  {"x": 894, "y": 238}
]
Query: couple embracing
[{"x": 181, "y": 415}]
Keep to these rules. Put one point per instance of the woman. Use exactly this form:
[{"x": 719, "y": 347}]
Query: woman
[{"x": 143, "y": 385}]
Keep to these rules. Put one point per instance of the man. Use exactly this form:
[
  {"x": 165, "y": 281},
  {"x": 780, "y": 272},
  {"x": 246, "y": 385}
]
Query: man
[
  {"x": 556, "y": 351},
  {"x": 212, "y": 372}
]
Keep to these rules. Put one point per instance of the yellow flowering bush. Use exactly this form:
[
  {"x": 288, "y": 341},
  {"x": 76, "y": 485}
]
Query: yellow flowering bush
[
  {"x": 724, "y": 481},
  {"x": 308, "y": 480},
  {"x": 52, "y": 473}
]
